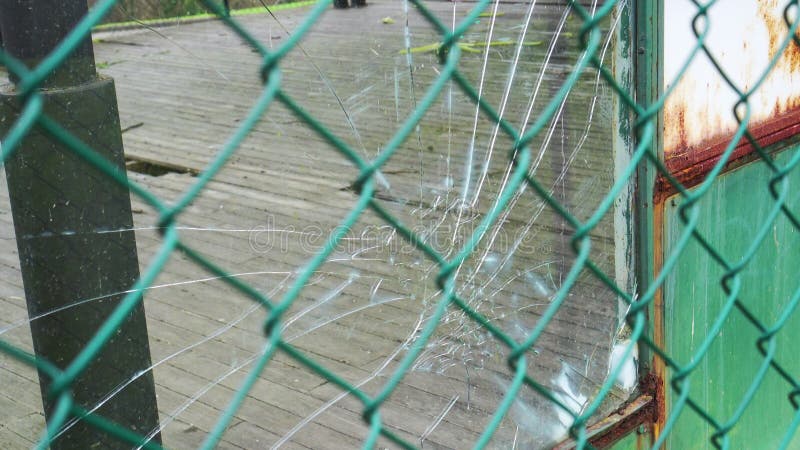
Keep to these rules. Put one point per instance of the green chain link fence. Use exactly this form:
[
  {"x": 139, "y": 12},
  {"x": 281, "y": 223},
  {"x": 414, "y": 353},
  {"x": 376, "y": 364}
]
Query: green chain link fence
[{"x": 518, "y": 350}]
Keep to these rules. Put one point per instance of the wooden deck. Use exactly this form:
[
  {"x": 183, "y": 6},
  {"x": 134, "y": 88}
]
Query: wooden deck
[{"x": 182, "y": 92}]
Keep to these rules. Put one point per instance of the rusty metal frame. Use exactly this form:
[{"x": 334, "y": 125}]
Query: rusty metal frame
[
  {"x": 689, "y": 166},
  {"x": 649, "y": 19},
  {"x": 604, "y": 434}
]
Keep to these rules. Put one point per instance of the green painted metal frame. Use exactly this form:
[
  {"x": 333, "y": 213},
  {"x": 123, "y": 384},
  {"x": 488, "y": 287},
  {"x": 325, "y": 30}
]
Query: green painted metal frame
[
  {"x": 650, "y": 205},
  {"x": 730, "y": 216},
  {"x": 648, "y": 87}
]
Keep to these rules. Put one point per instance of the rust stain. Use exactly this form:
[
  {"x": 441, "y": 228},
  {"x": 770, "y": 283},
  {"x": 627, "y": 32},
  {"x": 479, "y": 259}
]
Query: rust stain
[
  {"x": 690, "y": 168},
  {"x": 765, "y": 12},
  {"x": 675, "y": 115},
  {"x": 772, "y": 16},
  {"x": 658, "y": 375}
]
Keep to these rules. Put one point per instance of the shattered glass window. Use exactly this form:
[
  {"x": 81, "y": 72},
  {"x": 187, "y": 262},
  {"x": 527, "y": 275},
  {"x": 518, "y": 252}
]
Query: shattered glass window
[{"x": 185, "y": 86}]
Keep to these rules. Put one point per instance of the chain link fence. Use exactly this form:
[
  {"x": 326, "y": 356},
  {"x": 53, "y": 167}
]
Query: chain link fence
[{"x": 522, "y": 340}]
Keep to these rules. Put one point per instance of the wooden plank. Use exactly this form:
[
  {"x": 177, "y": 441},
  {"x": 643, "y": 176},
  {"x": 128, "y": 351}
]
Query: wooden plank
[{"x": 189, "y": 99}]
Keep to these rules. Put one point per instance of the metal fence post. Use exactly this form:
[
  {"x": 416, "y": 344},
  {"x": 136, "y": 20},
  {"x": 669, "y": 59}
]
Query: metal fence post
[{"x": 73, "y": 226}]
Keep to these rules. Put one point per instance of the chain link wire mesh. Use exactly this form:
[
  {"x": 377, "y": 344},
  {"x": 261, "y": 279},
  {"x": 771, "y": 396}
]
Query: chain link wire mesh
[{"x": 518, "y": 349}]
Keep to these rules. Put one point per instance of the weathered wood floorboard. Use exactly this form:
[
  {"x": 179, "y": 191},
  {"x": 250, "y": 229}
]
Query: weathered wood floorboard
[{"x": 184, "y": 90}]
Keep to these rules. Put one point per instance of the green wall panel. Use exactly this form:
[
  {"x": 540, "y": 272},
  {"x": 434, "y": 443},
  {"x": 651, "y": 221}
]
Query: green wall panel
[
  {"x": 633, "y": 441},
  {"x": 730, "y": 215}
]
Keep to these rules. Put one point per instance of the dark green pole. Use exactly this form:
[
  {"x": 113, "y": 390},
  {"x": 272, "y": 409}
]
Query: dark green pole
[{"x": 74, "y": 225}]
